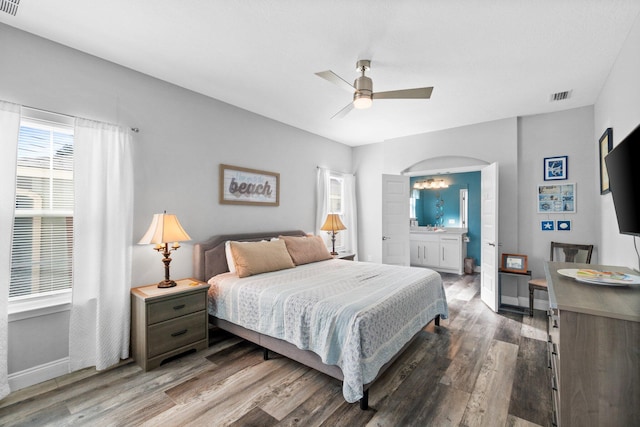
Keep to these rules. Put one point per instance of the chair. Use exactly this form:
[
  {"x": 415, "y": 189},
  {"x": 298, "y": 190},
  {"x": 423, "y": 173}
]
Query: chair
[{"x": 569, "y": 252}]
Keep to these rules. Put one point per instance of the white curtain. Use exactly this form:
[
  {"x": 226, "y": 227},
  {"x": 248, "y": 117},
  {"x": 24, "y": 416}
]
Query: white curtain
[
  {"x": 9, "y": 128},
  {"x": 349, "y": 215},
  {"x": 322, "y": 190},
  {"x": 102, "y": 229}
]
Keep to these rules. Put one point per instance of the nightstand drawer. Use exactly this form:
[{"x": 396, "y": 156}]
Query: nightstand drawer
[
  {"x": 166, "y": 336},
  {"x": 175, "y": 307}
]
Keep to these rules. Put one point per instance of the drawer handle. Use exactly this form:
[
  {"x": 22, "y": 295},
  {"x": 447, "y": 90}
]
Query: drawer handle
[
  {"x": 555, "y": 349},
  {"x": 554, "y": 386},
  {"x": 176, "y": 334},
  {"x": 179, "y": 307}
]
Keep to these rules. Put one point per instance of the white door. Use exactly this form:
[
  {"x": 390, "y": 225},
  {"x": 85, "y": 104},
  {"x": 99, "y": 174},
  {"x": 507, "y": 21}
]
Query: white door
[
  {"x": 395, "y": 219},
  {"x": 489, "y": 236}
]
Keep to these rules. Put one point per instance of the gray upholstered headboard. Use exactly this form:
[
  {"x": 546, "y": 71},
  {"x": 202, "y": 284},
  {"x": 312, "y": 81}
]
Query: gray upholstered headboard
[{"x": 209, "y": 258}]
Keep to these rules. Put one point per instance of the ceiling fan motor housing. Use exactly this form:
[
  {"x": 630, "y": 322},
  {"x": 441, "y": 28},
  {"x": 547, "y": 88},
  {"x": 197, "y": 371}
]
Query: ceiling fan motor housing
[{"x": 364, "y": 88}]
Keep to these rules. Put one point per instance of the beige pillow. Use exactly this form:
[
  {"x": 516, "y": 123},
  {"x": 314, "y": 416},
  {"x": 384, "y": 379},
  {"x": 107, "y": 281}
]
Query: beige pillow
[
  {"x": 260, "y": 257},
  {"x": 304, "y": 250}
]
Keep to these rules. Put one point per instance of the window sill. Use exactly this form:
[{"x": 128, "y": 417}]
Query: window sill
[{"x": 26, "y": 308}]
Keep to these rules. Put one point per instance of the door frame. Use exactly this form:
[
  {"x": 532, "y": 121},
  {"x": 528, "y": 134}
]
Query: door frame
[{"x": 470, "y": 168}]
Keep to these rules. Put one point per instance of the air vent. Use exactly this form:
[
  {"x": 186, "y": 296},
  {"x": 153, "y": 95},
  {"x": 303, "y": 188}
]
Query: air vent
[
  {"x": 559, "y": 96},
  {"x": 9, "y": 6}
]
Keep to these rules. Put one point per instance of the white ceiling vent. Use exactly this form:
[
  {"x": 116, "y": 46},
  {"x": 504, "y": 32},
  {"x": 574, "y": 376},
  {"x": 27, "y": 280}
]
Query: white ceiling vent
[
  {"x": 9, "y": 6},
  {"x": 559, "y": 96}
]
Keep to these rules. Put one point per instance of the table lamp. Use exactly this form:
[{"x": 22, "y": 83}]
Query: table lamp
[
  {"x": 332, "y": 225},
  {"x": 165, "y": 228}
]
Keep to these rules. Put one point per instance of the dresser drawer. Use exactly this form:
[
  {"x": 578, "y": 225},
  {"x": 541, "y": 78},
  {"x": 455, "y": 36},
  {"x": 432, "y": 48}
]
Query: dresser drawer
[
  {"x": 175, "y": 307},
  {"x": 175, "y": 333}
]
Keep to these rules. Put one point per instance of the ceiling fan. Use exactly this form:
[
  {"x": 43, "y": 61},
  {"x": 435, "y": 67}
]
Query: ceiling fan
[{"x": 362, "y": 89}]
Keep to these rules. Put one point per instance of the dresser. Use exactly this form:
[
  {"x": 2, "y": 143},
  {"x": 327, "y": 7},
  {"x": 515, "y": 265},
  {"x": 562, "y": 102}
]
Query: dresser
[
  {"x": 166, "y": 322},
  {"x": 594, "y": 350}
]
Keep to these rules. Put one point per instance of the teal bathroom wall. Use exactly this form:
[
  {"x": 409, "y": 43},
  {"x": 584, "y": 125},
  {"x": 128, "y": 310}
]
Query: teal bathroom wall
[{"x": 426, "y": 210}]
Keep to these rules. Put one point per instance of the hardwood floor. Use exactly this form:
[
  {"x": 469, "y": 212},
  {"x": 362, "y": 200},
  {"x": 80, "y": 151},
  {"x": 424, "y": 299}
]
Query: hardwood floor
[{"x": 476, "y": 368}]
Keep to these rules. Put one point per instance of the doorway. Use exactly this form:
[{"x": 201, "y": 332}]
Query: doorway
[{"x": 489, "y": 216}]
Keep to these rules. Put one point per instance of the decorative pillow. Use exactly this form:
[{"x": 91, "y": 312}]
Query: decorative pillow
[
  {"x": 304, "y": 250},
  {"x": 260, "y": 257},
  {"x": 227, "y": 252}
]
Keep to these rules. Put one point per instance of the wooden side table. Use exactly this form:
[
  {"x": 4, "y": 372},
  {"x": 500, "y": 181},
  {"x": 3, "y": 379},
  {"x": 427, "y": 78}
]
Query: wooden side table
[{"x": 166, "y": 322}]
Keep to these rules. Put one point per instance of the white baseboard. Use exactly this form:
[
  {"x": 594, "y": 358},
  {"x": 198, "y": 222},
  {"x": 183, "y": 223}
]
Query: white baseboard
[
  {"x": 38, "y": 374},
  {"x": 538, "y": 304},
  {"x": 510, "y": 300}
]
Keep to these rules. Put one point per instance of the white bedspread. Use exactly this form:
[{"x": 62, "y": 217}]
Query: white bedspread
[{"x": 355, "y": 315}]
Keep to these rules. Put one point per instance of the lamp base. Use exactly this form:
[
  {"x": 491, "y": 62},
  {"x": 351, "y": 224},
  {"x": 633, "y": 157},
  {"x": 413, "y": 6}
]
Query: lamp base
[
  {"x": 334, "y": 253},
  {"x": 167, "y": 284}
]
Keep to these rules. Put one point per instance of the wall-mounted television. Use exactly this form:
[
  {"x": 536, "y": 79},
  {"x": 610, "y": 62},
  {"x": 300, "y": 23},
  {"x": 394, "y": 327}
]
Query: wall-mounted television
[{"x": 623, "y": 167}]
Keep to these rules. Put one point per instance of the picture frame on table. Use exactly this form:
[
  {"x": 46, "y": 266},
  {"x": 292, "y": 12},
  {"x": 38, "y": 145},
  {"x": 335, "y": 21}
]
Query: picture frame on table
[
  {"x": 606, "y": 145},
  {"x": 244, "y": 186},
  {"x": 556, "y": 168},
  {"x": 514, "y": 263}
]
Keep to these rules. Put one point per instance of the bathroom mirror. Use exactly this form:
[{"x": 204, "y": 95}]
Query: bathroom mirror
[{"x": 441, "y": 207}]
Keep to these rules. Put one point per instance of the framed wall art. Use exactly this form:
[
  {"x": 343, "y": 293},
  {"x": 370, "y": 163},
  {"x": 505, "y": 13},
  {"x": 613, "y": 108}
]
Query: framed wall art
[
  {"x": 547, "y": 225},
  {"x": 606, "y": 145},
  {"x": 556, "y": 168},
  {"x": 243, "y": 186},
  {"x": 559, "y": 198},
  {"x": 514, "y": 263}
]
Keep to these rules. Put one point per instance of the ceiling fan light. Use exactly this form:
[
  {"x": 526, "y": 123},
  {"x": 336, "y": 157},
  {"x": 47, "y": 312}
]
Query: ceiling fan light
[{"x": 362, "y": 102}]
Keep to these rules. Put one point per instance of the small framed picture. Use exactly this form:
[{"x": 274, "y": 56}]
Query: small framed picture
[
  {"x": 606, "y": 145},
  {"x": 514, "y": 263},
  {"x": 547, "y": 225},
  {"x": 564, "y": 225},
  {"x": 556, "y": 168}
]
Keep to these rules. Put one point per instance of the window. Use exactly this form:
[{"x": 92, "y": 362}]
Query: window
[
  {"x": 335, "y": 203},
  {"x": 42, "y": 251}
]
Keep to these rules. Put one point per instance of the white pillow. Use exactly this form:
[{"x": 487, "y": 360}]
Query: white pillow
[{"x": 229, "y": 255}]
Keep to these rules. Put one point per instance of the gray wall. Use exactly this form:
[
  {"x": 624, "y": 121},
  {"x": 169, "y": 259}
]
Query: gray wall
[
  {"x": 183, "y": 138},
  {"x": 519, "y": 146},
  {"x": 618, "y": 107},
  {"x": 565, "y": 133},
  {"x": 488, "y": 142}
]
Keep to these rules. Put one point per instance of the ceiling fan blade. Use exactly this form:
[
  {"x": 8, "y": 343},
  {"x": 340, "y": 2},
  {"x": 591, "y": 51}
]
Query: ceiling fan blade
[
  {"x": 336, "y": 79},
  {"x": 340, "y": 114},
  {"x": 418, "y": 93}
]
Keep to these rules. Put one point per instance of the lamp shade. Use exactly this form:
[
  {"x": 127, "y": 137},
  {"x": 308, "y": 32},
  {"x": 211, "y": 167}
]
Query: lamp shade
[
  {"x": 164, "y": 228},
  {"x": 333, "y": 223}
]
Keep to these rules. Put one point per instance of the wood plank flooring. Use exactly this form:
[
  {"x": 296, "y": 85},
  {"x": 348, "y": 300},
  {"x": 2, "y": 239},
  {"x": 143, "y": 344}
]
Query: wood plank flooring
[{"x": 478, "y": 368}]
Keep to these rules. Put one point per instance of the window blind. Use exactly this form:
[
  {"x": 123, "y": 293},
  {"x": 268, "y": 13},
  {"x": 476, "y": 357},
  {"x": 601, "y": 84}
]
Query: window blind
[{"x": 42, "y": 251}]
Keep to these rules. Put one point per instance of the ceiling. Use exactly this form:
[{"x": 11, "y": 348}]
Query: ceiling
[{"x": 487, "y": 60}]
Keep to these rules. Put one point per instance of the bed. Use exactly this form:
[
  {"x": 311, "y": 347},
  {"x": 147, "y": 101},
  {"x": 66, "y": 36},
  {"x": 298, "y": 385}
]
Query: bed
[{"x": 349, "y": 320}]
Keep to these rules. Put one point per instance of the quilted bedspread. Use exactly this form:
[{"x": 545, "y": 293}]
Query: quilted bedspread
[{"x": 355, "y": 315}]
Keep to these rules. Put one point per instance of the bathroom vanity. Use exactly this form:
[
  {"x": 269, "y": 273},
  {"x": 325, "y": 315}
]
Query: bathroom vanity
[{"x": 441, "y": 249}]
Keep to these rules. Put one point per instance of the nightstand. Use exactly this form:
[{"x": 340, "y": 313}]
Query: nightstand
[
  {"x": 346, "y": 256},
  {"x": 166, "y": 322}
]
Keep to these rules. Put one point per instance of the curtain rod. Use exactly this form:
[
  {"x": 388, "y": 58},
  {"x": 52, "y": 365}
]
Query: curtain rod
[{"x": 133, "y": 129}]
